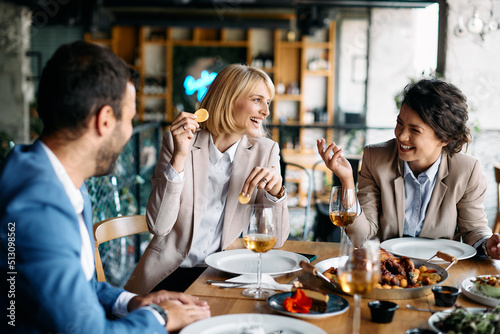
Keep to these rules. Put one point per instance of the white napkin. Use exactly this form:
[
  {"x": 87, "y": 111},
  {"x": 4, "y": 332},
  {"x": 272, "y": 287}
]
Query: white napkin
[{"x": 267, "y": 282}]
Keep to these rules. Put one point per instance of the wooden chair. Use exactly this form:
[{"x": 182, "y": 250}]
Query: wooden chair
[
  {"x": 114, "y": 228},
  {"x": 496, "y": 226}
]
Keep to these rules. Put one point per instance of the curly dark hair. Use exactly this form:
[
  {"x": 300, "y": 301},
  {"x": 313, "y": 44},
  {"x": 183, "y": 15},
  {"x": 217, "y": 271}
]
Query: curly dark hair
[
  {"x": 78, "y": 81},
  {"x": 443, "y": 107}
]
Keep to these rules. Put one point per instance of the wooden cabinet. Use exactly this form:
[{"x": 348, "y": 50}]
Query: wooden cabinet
[
  {"x": 156, "y": 63},
  {"x": 304, "y": 79},
  {"x": 303, "y": 72},
  {"x": 122, "y": 41}
]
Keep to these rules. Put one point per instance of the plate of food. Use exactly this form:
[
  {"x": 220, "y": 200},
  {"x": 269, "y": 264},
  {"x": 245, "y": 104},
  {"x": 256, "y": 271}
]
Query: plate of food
[
  {"x": 251, "y": 323},
  {"x": 484, "y": 289},
  {"x": 466, "y": 320},
  {"x": 244, "y": 261},
  {"x": 401, "y": 278},
  {"x": 308, "y": 304},
  {"x": 423, "y": 249}
]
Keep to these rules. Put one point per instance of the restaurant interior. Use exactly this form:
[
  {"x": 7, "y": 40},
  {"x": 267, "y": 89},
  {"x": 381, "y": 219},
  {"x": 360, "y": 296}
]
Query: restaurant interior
[{"x": 339, "y": 67}]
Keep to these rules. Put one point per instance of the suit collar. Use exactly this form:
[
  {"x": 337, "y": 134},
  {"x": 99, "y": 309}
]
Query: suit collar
[
  {"x": 437, "y": 197},
  {"x": 215, "y": 154},
  {"x": 199, "y": 171}
]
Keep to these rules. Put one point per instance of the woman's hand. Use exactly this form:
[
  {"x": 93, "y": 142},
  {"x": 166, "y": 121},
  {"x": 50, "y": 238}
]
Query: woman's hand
[
  {"x": 267, "y": 178},
  {"x": 336, "y": 162},
  {"x": 183, "y": 128},
  {"x": 493, "y": 246}
]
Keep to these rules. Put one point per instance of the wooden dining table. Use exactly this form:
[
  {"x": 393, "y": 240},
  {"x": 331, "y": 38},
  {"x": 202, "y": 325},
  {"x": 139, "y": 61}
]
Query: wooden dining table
[{"x": 231, "y": 301}]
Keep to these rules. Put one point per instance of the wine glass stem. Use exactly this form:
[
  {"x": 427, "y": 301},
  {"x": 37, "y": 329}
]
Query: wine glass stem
[
  {"x": 344, "y": 240},
  {"x": 357, "y": 314},
  {"x": 259, "y": 270}
]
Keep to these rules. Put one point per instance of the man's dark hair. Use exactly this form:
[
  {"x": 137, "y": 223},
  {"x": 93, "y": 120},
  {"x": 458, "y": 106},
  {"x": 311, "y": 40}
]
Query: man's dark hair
[
  {"x": 78, "y": 81},
  {"x": 443, "y": 107}
]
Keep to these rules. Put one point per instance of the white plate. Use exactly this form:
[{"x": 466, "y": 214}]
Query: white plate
[
  {"x": 237, "y": 323},
  {"x": 470, "y": 290},
  {"x": 433, "y": 319},
  {"x": 424, "y": 249},
  {"x": 244, "y": 261},
  {"x": 336, "y": 305}
]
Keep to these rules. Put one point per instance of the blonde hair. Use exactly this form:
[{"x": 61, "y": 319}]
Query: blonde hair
[{"x": 232, "y": 82}]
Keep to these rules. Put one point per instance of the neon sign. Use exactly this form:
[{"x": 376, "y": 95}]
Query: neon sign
[{"x": 191, "y": 85}]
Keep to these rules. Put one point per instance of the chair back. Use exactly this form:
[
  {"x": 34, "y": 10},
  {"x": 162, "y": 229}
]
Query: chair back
[
  {"x": 114, "y": 228},
  {"x": 496, "y": 226},
  {"x": 307, "y": 209}
]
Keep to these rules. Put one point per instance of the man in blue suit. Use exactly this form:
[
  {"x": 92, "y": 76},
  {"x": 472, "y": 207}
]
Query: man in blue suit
[{"x": 86, "y": 101}]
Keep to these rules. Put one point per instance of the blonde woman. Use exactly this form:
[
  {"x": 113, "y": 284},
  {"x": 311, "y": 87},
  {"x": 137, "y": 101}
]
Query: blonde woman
[{"x": 193, "y": 210}]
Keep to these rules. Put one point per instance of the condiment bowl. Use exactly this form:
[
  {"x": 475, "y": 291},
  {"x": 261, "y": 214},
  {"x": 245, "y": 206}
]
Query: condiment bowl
[
  {"x": 445, "y": 295},
  {"x": 382, "y": 311}
]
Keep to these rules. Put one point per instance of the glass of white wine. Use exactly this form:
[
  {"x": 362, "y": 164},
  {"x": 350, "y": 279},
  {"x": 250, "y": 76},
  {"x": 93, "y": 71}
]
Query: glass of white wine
[
  {"x": 343, "y": 209},
  {"x": 260, "y": 237},
  {"x": 359, "y": 272}
]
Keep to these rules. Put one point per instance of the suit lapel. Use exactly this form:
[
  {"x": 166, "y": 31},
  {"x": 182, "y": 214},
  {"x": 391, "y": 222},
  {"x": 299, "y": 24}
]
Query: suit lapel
[
  {"x": 199, "y": 169},
  {"x": 399, "y": 191},
  {"x": 240, "y": 171},
  {"x": 87, "y": 213},
  {"x": 437, "y": 197}
]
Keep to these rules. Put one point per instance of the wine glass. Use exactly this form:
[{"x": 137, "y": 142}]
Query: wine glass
[
  {"x": 358, "y": 273},
  {"x": 343, "y": 209},
  {"x": 259, "y": 237}
]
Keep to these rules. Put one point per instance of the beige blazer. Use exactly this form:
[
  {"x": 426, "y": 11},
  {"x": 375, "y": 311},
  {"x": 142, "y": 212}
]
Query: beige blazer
[
  {"x": 455, "y": 210},
  {"x": 175, "y": 209}
]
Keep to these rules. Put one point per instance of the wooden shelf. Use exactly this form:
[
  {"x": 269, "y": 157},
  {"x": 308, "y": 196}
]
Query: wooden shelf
[
  {"x": 295, "y": 45},
  {"x": 288, "y": 97},
  {"x": 320, "y": 73},
  {"x": 289, "y": 123},
  {"x": 155, "y": 96},
  {"x": 185, "y": 37},
  {"x": 155, "y": 42},
  {"x": 291, "y": 67},
  {"x": 321, "y": 45},
  {"x": 235, "y": 44}
]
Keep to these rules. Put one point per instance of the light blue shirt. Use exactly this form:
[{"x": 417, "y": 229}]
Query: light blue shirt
[
  {"x": 120, "y": 308},
  {"x": 418, "y": 192}
]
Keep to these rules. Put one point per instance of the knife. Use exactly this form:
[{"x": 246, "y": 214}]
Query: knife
[
  {"x": 227, "y": 284},
  {"x": 313, "y": 270}
]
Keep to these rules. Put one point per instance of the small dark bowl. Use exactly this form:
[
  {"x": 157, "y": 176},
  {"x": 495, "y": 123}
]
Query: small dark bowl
[
  {"x": 382, "y": 311},
  {"x": 445, "y": 295},
  {"x": 419, "y": 331}
]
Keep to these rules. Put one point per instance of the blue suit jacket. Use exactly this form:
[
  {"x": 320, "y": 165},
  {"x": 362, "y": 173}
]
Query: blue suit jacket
[{"x": 44, "y": 288}]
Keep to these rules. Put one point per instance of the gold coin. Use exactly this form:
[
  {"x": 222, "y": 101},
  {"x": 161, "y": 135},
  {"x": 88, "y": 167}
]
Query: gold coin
[
  {"x": 202, "y": 114},
  {"x": 243, "y": 199}
]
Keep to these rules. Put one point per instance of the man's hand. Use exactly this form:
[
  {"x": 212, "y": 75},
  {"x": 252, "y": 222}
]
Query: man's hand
[
  {"x": 180, "y": 315},
  {"x": 493, "y": 246},
  {"x": 182, "y": 308},
  {"x": 159, "y": 297}
]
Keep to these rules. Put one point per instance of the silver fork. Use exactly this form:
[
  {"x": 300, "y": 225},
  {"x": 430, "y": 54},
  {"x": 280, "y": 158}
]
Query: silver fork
[{"x": 420, "y": 309}]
